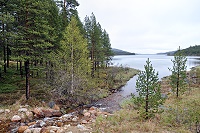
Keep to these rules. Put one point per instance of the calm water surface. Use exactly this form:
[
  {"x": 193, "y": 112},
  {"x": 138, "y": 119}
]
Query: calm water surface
[{"x": 161, "y": 63}]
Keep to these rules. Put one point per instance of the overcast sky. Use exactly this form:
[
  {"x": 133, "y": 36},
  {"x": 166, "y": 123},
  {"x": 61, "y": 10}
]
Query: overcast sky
[{"x": 147, "y": 26}]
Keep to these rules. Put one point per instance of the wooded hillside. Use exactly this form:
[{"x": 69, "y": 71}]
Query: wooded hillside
[{"x": 192, "y": 51}]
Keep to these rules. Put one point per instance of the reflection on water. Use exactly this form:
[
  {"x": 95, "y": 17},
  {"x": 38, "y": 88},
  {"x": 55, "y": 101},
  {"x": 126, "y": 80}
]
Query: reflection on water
[{"x": 161, "y": 63}]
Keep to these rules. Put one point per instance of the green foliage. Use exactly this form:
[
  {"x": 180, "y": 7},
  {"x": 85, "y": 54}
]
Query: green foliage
[
  {"x": 98, "y": 44},
  {"x": 6, "y": 88},
  {"x": 50, "y": 44},
  {"x": 148, "y": 88},
  {"x": 178, "y": 77},
  {"x": 191, "y": 51},
  {"x": 72, "y": 59},
  {"x": 183, "y": 112}
]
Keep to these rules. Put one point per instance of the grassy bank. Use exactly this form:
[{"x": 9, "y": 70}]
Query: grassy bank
[
  {"x": 107, "y": 80},
  {"x": 180, "y": 115}
]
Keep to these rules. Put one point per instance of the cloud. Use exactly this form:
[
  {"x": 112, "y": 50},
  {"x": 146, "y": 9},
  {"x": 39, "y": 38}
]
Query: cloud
[{"x": 147, "y": 26}]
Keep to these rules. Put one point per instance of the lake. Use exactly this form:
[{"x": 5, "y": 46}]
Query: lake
[{"x": 160, "y": 63}]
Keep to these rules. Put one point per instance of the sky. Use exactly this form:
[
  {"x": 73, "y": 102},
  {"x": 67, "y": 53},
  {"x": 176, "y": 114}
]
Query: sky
[{"x": 146, "y": 26}]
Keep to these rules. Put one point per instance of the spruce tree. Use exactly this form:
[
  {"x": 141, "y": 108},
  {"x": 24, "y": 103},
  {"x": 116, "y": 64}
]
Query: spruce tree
[
  {"x": 148, "y": 87},
  {"x": 178, "y": 77}
]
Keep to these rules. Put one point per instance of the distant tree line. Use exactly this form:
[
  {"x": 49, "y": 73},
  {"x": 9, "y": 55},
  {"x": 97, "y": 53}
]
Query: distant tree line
[
  {"x": 47, "y": 36},
  {"x": 191, "y": 51}
]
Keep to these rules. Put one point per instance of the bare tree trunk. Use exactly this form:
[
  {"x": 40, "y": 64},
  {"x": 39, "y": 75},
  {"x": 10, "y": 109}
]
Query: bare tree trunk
[
  {"x": 147, "y": 103},
  {"x": 27, "y": 79},
  {"x": 8, "y": 56},
  {"x": 0, "y": 74},
  {"x": 177, "y": 84},
  {"x": 4, "y": 46},
  {"x": 72, "y": 70},
  {"x": 20, "y": 68},
  {"x": 92, "y": 59},
  {"x": 17, "y": 65},
  {"x": 4, "y": 57}
]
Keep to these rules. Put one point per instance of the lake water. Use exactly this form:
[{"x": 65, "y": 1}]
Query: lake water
[{"x": 160, "y": 63}]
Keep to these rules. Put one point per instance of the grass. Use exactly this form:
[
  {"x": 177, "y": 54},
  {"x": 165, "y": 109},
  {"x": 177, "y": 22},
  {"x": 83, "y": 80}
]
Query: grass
[
  {"x": 12, "y": 86},
  {"x": 181, "y": 115}
]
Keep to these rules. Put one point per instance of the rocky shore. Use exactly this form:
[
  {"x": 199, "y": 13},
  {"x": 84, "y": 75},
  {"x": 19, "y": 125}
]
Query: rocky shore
[{"x": 49, "y": 120}]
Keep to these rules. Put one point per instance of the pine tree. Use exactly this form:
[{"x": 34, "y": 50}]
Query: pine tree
[
  {"x": 93, "y": 35},
  {"x": 68, "y": 9},
  {"x": 178, "y": 77},
  {"x": 98, "y": 44},
  {"x": 33, "y": 30},
  {"x": 148, "y": 87},
  {"x": 107, "y": 50},
  {"x": 6, "y": 20}
]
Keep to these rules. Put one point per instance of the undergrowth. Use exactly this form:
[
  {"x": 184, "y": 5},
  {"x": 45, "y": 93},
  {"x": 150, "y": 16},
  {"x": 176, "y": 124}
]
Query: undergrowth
[{"x": 180, "y": 115}]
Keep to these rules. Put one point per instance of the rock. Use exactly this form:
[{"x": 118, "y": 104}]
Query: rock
[
  {"x": 36, "y": 130},
  {"x": 56, "y": 107},
  {"x": 22, "y": 124},
  {"x": 16, "y": 118},
  {"x": 84, "y": 111},
  {"x": 40, "y": 123},
  {"x": 33, "y": 130},
  {"x": 27, "y": 131},
  {"x": 29, "y": 115},
  {"x": 51, "y": 131},
  {"x": 48, "y": 119},
  {"x": 38, "y": 112},
  {"x": 23, "y": 117},
  {"x": 21, "y": 129},
  {"x": 87, "y": 114},
  {"x": 57, "y": 113},
  {"x": 53, "y": 128},
  {"x": 44, "y": 130},
  {"x": 14, "y": 130},
  {"x": 93, "y": 108},
  {"x": 75, "y": 119},
  {"x": 31, "y": 123},
  {"x": 51, "y": 104},
  {"x": 61, "y": 131},
  {"x": 66, "y": 117},
  {"x": 51, "y": 113},
  {"x": 80, "y": 126},
  {"x": 47, "y": 112},
  {"x": 23, "y": 110},
  {"x": 84, "y": 122},
  {"x": 7, "y": 111},
  {"x": 1, "y": 111},
  {"x": 93, "y": 116},
  {"x": 94, "y": 112},
  {"x": 59, "y": 123},
  {"x": 67, "y": 126}
]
